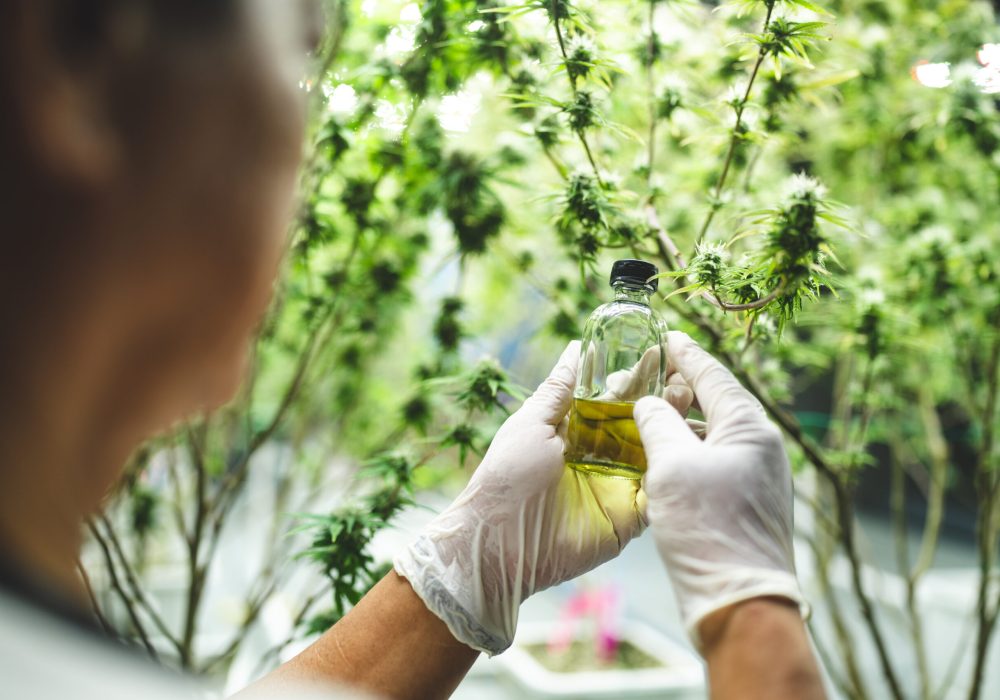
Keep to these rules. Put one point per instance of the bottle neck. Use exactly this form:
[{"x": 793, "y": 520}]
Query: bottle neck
[{"x": 637, "y": 294}]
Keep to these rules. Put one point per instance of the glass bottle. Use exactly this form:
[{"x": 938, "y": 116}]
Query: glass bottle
[{"x": 623, "y": 358}]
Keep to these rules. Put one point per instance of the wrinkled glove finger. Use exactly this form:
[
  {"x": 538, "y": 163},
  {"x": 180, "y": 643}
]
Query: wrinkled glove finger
[
  {"x": 632, "y": 384},
  {"x": 662, "y": 429},
  {"x": 679, "y": 396},
  {"x": 677, "y": 379},
  {"x": 732, "y": 412}
]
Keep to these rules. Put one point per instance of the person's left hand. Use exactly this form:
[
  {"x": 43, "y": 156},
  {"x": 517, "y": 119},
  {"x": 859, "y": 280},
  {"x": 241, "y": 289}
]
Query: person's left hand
[{"x": 524, "y": 523}]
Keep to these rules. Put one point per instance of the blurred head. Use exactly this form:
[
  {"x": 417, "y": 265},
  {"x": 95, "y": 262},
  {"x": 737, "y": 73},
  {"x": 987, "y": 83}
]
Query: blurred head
[{"x": 148, "y": 156}]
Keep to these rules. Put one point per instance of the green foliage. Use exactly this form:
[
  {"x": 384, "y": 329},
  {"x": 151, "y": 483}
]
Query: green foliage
[
  {"x": 690, "y": 135},
  {"x": 341, "y": 539}
]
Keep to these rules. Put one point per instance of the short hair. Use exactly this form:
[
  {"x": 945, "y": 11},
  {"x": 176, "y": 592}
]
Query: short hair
[{"x": 81, "y": 24}]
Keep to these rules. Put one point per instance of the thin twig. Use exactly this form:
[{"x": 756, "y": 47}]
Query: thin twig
[
  {"x": 133, "y": 581},
  {"x": 828, "y": 662},
  {"x": 651, "y": 87},
  {"x": 897, "y": 500},
  {"x": 736, "y": 136},
  {"x": 129, "y": 604},
  {"x": 668, "y": 250},
  {"x": 852, "y": 685},
  {"x": 986, "y": 526},
  {"x": 843, "y": 500},
  {"x": 195, "y": 441},
  {"x": 109, "y": 630},
  {"x": 750, "y": 305},
  {"x": 575, "y": 90}
]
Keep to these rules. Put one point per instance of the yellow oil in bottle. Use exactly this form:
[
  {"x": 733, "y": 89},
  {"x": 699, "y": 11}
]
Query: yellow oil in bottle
[{"x": 603, "y": 439}]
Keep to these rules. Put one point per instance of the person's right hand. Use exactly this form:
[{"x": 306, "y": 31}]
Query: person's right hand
[{"x": 720, "y": 509}]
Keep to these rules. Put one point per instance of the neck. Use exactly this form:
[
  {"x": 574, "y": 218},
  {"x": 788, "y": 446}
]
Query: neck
[
  {"x": 39, "y": 531},
  {"x": 636, "y": 295},
  {"x": 52, "y": 440}
]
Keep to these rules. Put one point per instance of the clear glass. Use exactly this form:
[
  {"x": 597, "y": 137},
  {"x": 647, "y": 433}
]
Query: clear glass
[{"x": 623, "y": 358}]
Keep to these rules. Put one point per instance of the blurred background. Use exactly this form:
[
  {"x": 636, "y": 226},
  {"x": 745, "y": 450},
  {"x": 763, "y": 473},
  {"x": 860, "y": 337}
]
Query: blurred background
[{"x": 821, "y": 181}]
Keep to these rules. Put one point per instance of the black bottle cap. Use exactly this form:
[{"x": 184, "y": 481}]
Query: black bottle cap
[{"x": 637, "y": 272}]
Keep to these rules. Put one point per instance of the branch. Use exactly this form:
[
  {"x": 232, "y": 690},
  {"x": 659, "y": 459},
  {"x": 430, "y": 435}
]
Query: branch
[
  {"x": 937, "y": 447},
  {"x": 651, "y": 87},
  {"x": 196, "y": 571},
  {"x": 573, "y": 87},
  {"x": 134, "y": 585},
  {"x": 751, "y": 305},
  {"x": 129, "y": 604},
  {"x": 175, "y": 481},
  {"x": 842, "y": 496},
  {"x": 852, "y": 686},
  {"x": 735, "y": 140},
  {"x": 986, "y": 526},
  {"x": 845, "y": 515},
  {"x": 956, "y": 662},
  {"x": 901, "y": 537},
  {"x": 668, "y": 250},
  {"x": 253, "y": 612},
  {"x": 109, "y": 630}
]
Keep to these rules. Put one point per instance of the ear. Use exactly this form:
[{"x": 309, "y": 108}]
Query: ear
[
  {"x": 73, "y": 137},
  {"x": 63, "y": 105}
]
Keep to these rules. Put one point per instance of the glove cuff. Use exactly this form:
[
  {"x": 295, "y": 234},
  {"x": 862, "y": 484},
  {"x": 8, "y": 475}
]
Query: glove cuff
[
  {"x": 762, "y": 584},
  {"x": 441, "y": 593}
]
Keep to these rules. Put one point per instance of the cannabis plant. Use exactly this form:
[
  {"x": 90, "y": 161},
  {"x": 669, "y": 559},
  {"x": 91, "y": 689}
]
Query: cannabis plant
[{"x": 818, "y": 185}]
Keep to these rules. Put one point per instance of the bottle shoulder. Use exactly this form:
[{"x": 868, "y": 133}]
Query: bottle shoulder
[{"x": 618, "y": 309}]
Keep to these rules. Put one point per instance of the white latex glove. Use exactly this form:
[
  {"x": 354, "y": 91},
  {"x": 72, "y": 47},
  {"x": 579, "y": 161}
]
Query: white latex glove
[
  {"x": 720, "y": 509},
  {"x": 524, "y": 523}
]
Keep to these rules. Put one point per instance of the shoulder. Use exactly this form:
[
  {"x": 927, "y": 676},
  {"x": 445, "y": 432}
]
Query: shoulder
[{"x": 44, "y": 657}]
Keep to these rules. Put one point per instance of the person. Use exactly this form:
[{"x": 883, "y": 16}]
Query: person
[{"x": 148, "y": 157}]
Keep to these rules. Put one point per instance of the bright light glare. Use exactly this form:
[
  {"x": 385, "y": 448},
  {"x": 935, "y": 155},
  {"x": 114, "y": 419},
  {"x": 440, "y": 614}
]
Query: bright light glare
[
  {"x": 390, "y": 117},
  {"x": 410, "y": 14},
  {"x": 987, "y": 79},
  {"x": 989, "y": 55},
  {"x": 401, "y": 40},
  {"x": 932, "y": 75},
  {"x": 457, "y": 111},
  {"x": 342, "y": 99}
]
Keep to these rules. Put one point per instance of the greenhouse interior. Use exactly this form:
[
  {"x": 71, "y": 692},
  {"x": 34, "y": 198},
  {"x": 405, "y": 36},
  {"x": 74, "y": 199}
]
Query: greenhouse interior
[{"x": 500, "y": 349}]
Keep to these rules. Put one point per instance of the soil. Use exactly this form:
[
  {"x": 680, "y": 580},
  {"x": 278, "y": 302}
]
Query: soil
[{"x": 582, "y": 656}]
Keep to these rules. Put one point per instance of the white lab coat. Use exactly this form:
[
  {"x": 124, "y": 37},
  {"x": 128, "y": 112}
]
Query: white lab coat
[{"x": 44, "y": 657}]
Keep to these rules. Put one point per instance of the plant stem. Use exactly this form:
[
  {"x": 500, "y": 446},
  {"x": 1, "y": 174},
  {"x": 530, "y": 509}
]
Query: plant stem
[
  {"x": 750, "y": 305},
  {"x": 651, "y": 87},
  {"x": 127, "y": 602},
  {"x": 133, "y": 582},
  {"x": 668, "y": 250},
  {"x": 859, "y": 445},
  {"x": 106, "y": 626},
  {"x": 852, "y": 686},
  {"x": 735, "y": 139},
  {"x": 937, "y": 448},
  {"x": 843, "y": 500},
  {"x": 572, "y": 83},
  {"x": 845, "y": 514},
  {"x": 560, "y": 168},
  {"x": 986, "y": 525},
  {"x": 196, "y": 571},
  {"x": 897, "y": 501}
]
